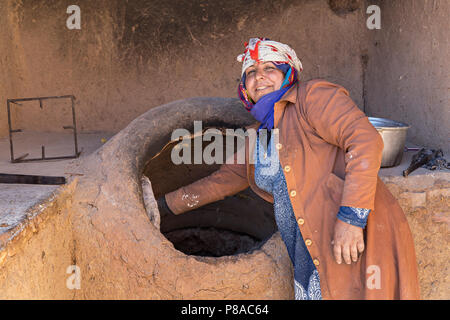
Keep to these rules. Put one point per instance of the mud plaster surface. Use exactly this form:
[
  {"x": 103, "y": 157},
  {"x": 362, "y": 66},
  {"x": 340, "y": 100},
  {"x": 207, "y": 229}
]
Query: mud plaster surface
[
  {"x": 16, "y": 199},
  {"x": 130, "y": 56},
  {"x": 98, "y": 222}
]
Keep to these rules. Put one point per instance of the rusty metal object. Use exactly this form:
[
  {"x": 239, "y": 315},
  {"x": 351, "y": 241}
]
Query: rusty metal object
[
  {"x": 425, "y": 157},
  {"x": 30, "y": 179},
  {"x": 22, "y": 158},
  {"x": 411, "y": 149}
]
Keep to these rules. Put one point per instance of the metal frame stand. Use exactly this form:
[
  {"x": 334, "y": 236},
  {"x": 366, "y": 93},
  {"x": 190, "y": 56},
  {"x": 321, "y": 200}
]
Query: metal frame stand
[{"x": 40, "y": 99}]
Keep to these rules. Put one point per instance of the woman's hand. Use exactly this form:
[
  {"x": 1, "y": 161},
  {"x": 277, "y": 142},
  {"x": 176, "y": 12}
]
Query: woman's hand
[{"x": 347, "y": 242}]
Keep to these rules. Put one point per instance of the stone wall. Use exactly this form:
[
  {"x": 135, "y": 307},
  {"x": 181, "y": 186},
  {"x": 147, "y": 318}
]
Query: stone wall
[{"x": 425, "y": 198}]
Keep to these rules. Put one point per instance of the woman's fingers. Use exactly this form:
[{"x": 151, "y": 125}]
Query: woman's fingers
[
  {"x": 346, "y": 254},
  {"x": 354, "y": 252},
  {"x": 360, "y": 246},
  {"x": 347, "y": 242},
  {"x": 342, "y": 252},
  {"x": 337, "y": 253}
]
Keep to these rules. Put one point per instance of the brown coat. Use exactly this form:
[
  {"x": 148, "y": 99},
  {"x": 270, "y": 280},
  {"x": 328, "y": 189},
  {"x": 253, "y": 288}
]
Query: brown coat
[{"x": 334, "y": 154}]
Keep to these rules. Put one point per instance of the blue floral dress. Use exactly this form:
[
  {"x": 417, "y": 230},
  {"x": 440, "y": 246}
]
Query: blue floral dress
[{"x": 269, "y": 177}]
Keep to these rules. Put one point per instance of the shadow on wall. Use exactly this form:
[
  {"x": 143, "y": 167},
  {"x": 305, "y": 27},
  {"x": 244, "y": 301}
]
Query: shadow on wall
[{"x": 342, "y": 7}]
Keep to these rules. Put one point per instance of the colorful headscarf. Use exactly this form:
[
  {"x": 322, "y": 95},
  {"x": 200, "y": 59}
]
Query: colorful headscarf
[
  {"x": 263, "y": 49},
  {"x": 285, "y": 59}
]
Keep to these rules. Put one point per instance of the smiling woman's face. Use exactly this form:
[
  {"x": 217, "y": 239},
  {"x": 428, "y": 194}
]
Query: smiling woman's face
[{"x": 262, "y": 78}]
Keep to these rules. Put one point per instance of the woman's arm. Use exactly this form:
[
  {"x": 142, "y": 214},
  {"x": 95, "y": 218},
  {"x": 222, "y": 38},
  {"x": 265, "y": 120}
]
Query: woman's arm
[
  {"x": 228, "y": 180},
  {"x": 336, "y": 119}
]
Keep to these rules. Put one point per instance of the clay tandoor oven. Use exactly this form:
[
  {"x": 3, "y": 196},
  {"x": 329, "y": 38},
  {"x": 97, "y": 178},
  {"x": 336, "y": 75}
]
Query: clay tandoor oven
[{"x": 229, "y": 249}]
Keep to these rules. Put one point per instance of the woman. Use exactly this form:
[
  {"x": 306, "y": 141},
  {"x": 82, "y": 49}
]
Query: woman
[{"x": 346, "y": 235}]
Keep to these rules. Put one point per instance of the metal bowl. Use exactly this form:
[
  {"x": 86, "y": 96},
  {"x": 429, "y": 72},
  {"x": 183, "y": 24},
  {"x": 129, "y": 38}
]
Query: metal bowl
[{"x": 394, "y": 138}]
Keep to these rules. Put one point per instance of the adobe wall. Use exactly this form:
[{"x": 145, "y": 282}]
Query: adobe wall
[
  {"x": 407, "y": 73},
  {"x": 35, "y": 254},
  {"x": 131, "y": 56},
  {"x": 425, "y": 200}
]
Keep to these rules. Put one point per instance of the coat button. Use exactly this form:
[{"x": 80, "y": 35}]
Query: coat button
[
  {"x": 316, "y": 262},
  {"x": 278, "y": 146},
  {"x": 293, "y": 193},
  {"x": 308, "y": 242},
  {"x": 301, "y": 221},
  {"x": 287, "y": 168}
]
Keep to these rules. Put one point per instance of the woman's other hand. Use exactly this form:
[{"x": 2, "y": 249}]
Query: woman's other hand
[{"x": 347, "y": 242}]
